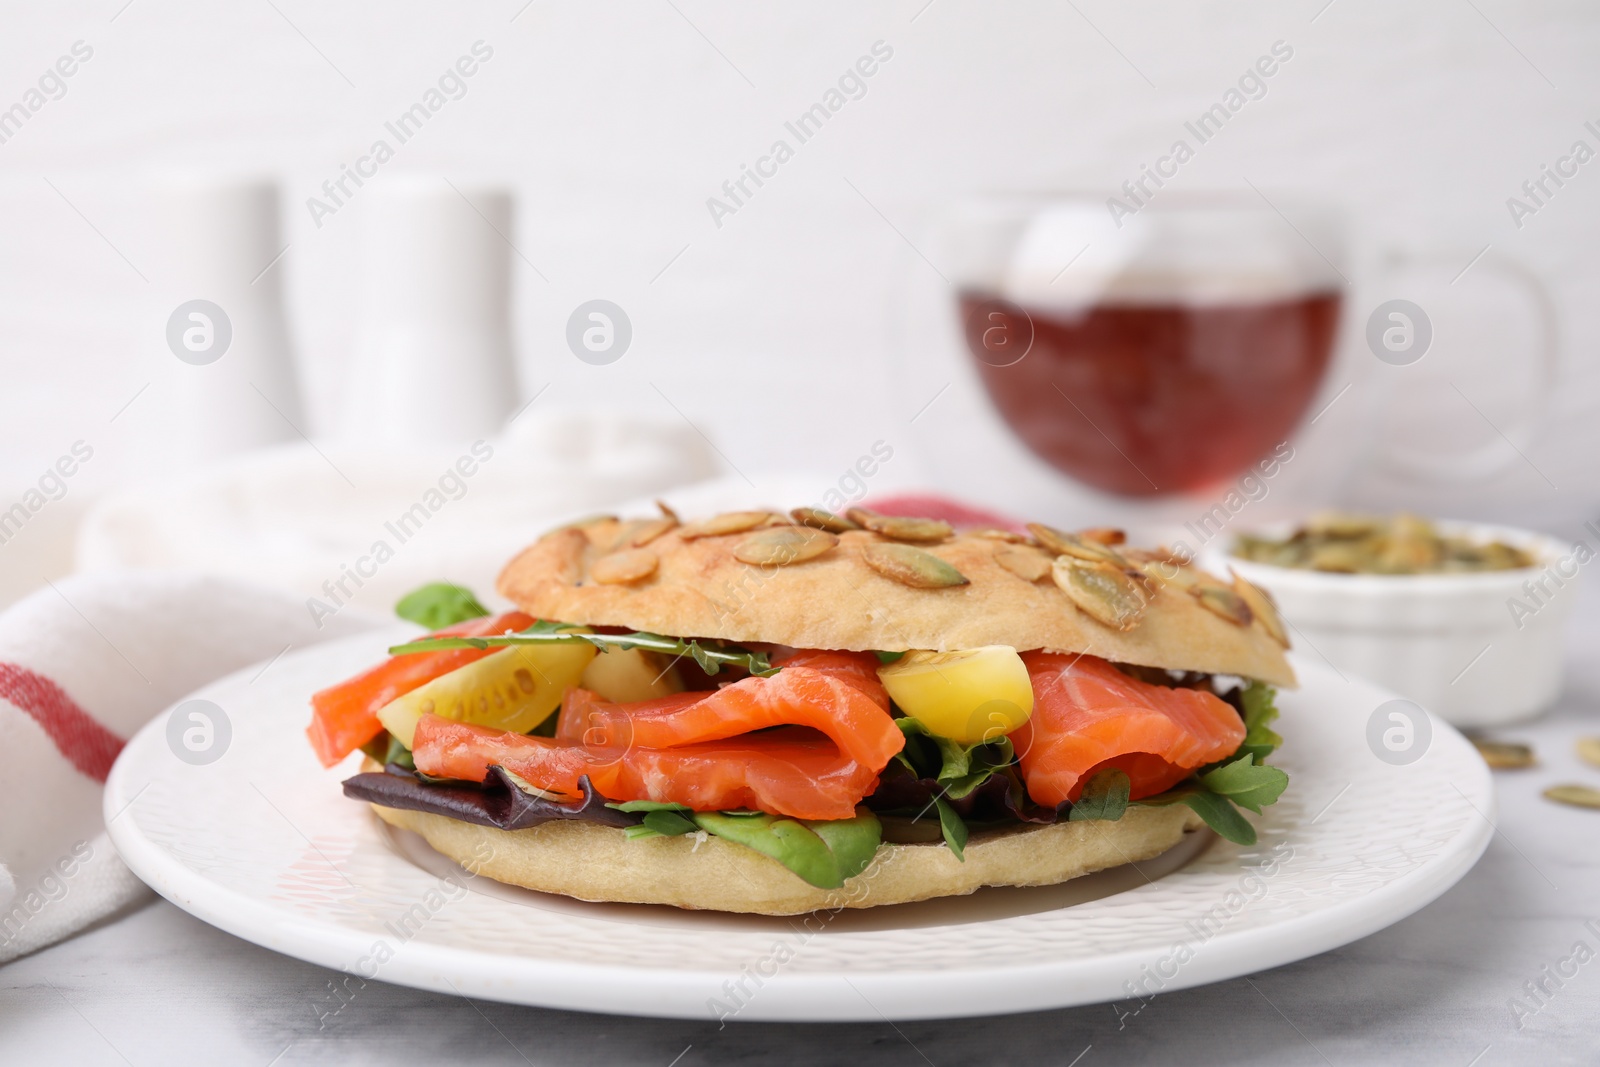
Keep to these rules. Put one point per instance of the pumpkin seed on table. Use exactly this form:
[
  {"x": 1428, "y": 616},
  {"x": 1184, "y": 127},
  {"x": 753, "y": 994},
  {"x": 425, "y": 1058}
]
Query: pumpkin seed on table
[
  {"x": 1579, "y": 796},
  {"x": 1504, "y": 755},
  {"x": 911, "y": 566},
  {"x": 1224, "y": 603},
  {"x": 1264, "y": 608},
  {"x": 620, "y": 568},
  {"x": 819, "y": 519},
  {"x": 729, "y": 522},
  {"x": 1589, "y": 750},
  {"x": 1102, "y": 590},
  {"x": 1025, "y": 561},
  {"x": 900, "y": 527},
  {"x": 782, "y": 545}
]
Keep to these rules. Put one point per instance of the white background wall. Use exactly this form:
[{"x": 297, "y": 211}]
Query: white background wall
[{"x": 615, "y": 122}]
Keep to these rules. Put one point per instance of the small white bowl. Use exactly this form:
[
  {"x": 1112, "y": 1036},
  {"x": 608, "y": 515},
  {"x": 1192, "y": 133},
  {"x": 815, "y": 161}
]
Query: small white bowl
[{"x": 1478, "y": 649}]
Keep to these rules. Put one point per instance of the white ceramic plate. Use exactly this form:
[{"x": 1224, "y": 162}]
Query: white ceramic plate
[{"x": 263, "y": 844}]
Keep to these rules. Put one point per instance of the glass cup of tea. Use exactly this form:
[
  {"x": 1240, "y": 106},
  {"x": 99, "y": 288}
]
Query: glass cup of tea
[
  {"x": 1068, "y": 357},
  {"x": 1151, "y": 353}
]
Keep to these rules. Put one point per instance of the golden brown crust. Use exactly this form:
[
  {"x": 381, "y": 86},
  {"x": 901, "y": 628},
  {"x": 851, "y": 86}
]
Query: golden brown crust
[
  {"x": 594, "y": 862},
  {"x": 835, "y": 600}
]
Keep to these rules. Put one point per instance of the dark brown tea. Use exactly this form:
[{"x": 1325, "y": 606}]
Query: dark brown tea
[{"x": 1148, "y": 398}]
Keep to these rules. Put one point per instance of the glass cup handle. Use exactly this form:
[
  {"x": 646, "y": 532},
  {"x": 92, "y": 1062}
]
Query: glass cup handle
[{"x": 1511, "y": 440}]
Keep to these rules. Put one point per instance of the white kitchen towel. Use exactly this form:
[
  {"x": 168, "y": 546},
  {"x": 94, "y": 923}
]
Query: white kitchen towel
[
  {"x": 360, "y": 526},
  {"x": 83, "y": 664}
]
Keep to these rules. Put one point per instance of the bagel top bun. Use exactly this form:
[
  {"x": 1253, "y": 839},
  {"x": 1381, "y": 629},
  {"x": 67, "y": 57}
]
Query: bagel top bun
[{"x": 902, "y": 584}]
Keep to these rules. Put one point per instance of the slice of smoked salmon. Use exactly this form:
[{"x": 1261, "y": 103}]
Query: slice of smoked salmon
[
  {"x": 345, "y": 716},
  {"x": 829, "y": 701},
  {"x": 789, "y": 771},
  {"x": 1087, "y": 715},
  {"x": 857, "y": 669}
]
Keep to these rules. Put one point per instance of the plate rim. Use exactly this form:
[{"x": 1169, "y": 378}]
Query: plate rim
[{"x": 878, "y": 994}]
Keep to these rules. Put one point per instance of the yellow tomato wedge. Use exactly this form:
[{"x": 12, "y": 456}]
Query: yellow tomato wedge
[
  {"x": 971, "y": 695},
  {"x": 514, "y": 689},
  {"x": 626, "y": 676}
]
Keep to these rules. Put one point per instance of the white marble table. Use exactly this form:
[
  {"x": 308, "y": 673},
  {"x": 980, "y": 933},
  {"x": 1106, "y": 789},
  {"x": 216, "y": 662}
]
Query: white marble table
[{"x": 159, "y": 987}]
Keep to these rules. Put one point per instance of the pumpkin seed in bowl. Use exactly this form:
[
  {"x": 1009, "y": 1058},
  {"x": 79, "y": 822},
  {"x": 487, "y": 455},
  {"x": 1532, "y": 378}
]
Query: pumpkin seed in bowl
[{"x": 1359, "y": 544}]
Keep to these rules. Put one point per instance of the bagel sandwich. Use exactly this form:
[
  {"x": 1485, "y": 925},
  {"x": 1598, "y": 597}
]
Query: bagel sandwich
[{"x": 780, "y": 713}]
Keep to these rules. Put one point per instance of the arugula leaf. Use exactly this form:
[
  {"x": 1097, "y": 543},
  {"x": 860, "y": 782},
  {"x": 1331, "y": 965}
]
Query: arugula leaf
[
  {"x": 1212, "y": 796},
  {"x": 958, "y": 769},
  {"x": 711, "y": 657},
  {"x": 1243, "y": 778},
  {"x": 439, "y": 604},
  {"x": 961, "y": 768},
  {"x": 1104, "y": 797},
  {"x": 647, "y": 805},
  {"x": 1259, "y": 710},
  {"x": 954, "y": 830},
  {"x": 889, "y": 657},
  {"x": 1247, "y": 783},
  {"x": 1218, "y": 814}
]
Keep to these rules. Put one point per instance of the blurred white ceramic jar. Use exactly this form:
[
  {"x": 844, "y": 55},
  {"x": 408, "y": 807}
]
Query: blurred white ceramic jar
[
  {"x": 434, "y": 360},
  {"x": 217, "y": 273}
]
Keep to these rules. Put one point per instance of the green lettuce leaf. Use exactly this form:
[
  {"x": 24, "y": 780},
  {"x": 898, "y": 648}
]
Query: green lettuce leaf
[
  {"x": 668, "y": 823},
  {"x": 1242, "y": 779},
  {"x": 853, "y": 842},
  {"x": 1246, "y": 783},
  {"x": 439, "y": 604},
  {"x": 958, "y": 768},
  {"x": 1104, "y": 797},
  {"x": 1217, "y": 811},
  {"x": 822, "y": 853},
  {"x": 1259, "y": 711},
  {"x": 953, "y": 828},
  {"x": 386, "y": 749}
]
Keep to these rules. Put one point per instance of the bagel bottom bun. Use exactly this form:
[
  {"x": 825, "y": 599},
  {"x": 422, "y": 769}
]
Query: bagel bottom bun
[{"x": 598, "y": 863}]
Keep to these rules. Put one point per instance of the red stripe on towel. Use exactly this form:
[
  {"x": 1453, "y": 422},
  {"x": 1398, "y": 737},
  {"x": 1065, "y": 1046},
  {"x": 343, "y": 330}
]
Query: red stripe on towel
[{"x": 86, "y": 744}]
